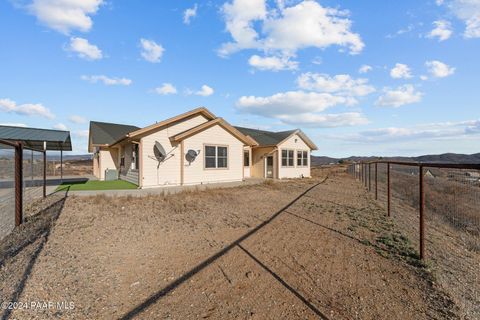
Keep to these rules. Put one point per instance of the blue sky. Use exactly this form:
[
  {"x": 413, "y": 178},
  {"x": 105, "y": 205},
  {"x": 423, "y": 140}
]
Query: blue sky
[{"x": 359, "y": 77}]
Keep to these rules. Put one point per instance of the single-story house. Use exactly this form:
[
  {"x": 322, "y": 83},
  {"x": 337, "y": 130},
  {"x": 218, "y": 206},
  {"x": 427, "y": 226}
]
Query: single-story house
[{"x": 196, "y": 147}]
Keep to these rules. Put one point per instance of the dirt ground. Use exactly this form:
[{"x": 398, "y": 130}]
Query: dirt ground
[{"x": 224, "y": 254}]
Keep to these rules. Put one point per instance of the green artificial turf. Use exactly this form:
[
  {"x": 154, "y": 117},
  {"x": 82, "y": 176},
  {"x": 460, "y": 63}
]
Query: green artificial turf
[{"x": 97, "y": 185}]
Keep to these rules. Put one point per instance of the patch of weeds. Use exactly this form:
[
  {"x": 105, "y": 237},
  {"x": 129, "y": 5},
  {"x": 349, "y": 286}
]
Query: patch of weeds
[
  {"x": 365, "y": 242},
  {"x": 352, "y": 228},
  {"x": 400, "y": 246}
]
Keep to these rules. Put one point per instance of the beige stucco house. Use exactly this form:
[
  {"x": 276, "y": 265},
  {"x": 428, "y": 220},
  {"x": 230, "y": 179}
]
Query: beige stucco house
[{"x": 196, "y": 148}]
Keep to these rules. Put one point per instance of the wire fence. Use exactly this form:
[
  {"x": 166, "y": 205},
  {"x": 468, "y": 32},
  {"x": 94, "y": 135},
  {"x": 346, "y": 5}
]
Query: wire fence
[
  {"x": 32, "y": 176},
  {"x": 7, "y": 189},
  {"x": 437, "y": 206}
]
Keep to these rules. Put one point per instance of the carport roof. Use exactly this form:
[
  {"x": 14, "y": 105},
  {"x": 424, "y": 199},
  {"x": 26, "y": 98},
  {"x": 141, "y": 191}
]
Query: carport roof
[{"x": 34, "y": 138}]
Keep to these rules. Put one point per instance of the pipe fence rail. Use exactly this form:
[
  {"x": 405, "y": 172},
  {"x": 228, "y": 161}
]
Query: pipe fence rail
[{"x": 437, "y": 207}]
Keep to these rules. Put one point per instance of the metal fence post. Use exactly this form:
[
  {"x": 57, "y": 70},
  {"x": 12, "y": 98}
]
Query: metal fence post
[
  {"x": 44, "y": 173},
  {"x": 388, "y": 189},
  {"x": 369, "y": 177},
  {"x": 361, "y": 172},
  {"x": 422, "y": 217},
  {"x": 376, "y": 182},
  {"x": 18, "y": 184}
]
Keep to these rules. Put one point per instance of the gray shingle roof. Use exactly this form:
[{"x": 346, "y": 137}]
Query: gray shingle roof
[
  {"x": 34, "y": 137},
  {"x": 108, "y": 133},
  {"x": 266, "y": 138}
]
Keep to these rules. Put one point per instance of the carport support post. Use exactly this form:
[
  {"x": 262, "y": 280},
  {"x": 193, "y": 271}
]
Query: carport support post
[
  {"x": 388, "y": 189},
  {"x": 18, "y": 184},
  {"x": 61, "y": 164},
  {"x": 44, "y": 169},
  {"x": 422, "y": 216},
  {"x": 376, "y": 181}
]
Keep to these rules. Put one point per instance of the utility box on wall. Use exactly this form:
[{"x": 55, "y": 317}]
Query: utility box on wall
[{"x": 111, "y": 174}]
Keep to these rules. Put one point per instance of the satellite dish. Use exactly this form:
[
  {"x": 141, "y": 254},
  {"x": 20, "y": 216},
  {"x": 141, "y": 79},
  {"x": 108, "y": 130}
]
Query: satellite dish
[
  {"x": 191, "y": 155},
  {"x": 159, "y": 152}
]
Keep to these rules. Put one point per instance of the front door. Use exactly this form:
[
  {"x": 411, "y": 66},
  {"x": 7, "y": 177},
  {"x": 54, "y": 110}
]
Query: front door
[{"x": 269, "y": 169}]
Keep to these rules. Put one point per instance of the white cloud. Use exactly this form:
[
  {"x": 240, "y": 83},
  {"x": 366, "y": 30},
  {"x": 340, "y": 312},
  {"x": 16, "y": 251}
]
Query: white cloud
[
  {"x": 285, "y": 30},
  {"x": 77, "y": 119},
  {"x": 27, "y": 109},
  {"x": 439, "y": 69},
  {"x": 400, "y": 71},
  {"x": 313, "y": 120},
  {"x": 166, "y": 89},
  {"x": 365, "y": 68},
  {"x": 107, "y": 80},
  {"x": 303, "y": 109},
  {"x": 400, "y": 96},
  {"x": 81, "y": 134},
  {"x": 151, "y": 51},
  {"x": 342, "y": 84},
  {"x": 189, "y": 14},
  {"x": 239, "y": 17},
  {"x": 469, "y": 12},
  {"x": 317, "y": 60},
  {"x": 442, "y": 30},
  {"x": 272, "y": 63},
  {"x": 473, "y": 127},
  {"x": 205, "y": 91},
  {"x": 60, "y": 126},
  {"x": 291, "y": 103},
  {"x": 84, "y": 49},
  {"x": 65, "y": 15},
  {"x": 440, "y": 130},
  {"x": 14, "y": 124}
]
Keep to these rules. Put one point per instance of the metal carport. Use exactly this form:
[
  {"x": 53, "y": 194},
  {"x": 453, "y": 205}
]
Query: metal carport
[{"x": 40, "y": 140}]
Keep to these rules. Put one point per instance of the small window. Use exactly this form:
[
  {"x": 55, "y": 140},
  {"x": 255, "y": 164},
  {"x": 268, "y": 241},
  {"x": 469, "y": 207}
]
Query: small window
[
  {"x": 216, "y": 157},
  {"x": 302, "y": 158},
  {"x": 287, "y": 158},
  {"x": 246, "y": 158}
]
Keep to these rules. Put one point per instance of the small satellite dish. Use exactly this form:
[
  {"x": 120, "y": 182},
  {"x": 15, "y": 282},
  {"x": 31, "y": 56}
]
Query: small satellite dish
[
  {"x": 159, "y": 152},
  {"x": 191, "y": 155}
]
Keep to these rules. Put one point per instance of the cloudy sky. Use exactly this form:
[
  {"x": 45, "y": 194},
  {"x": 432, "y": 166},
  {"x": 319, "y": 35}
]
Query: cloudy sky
[{"x": 359, "y": 77}]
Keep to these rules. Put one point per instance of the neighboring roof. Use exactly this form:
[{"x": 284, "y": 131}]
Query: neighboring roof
[
  {"x": 34, "y": 137},
  {"x": 104, "y": 133},
  {"x": 268, "y": 138},
  {"x": 203, "y": 111},
  {"x": 218, "y": 121}
]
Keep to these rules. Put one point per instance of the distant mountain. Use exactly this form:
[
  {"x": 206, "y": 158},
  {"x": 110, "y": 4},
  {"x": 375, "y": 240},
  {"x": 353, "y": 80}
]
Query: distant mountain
[
  {"x": 70, "y": 157},
  {"x": 318, "y": 161},
  {"x": 445, "y": 158}
]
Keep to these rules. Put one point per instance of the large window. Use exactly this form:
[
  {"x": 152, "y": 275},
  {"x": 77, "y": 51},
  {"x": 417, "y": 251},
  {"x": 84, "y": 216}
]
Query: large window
[
  {"x": 246, "y": 158},
  {"x": 302, "y": 158},
  {"x": 216, "y": 157},
  {"x": 287, "y": 158}
]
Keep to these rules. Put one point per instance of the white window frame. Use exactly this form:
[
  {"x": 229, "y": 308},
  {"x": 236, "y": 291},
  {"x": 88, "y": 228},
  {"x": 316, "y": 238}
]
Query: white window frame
[
  {"x": 288, "y": 158},
  {"x": 303, "y": 159},
  {"x": 216, "y": 157}
]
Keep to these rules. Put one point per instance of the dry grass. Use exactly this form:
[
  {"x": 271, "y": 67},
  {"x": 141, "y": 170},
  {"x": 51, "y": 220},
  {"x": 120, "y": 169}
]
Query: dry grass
[{"x": 333, "y": 248}]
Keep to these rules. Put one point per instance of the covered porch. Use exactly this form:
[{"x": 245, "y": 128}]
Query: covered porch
[{"x": 261, "y": 162}]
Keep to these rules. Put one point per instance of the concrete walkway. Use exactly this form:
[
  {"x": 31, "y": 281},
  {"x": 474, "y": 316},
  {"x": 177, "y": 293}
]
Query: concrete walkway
[{"x": 166, "y": 190}]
